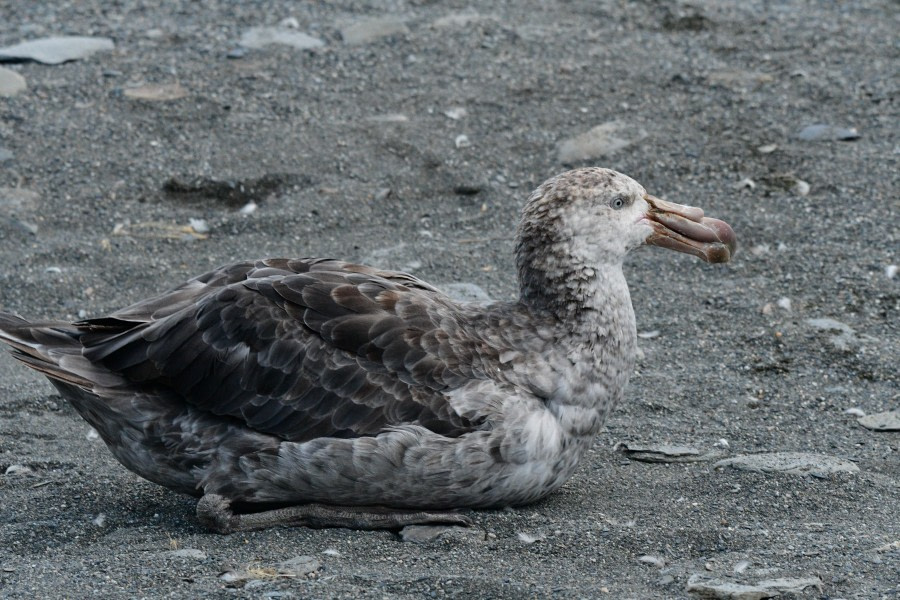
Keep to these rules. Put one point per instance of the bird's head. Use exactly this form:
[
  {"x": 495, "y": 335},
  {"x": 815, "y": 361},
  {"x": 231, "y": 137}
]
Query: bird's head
[{"x": 596, "y": 215}]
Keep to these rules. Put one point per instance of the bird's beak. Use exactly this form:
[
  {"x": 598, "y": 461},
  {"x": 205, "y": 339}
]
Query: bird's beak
[{"x": 685, "y": 229}]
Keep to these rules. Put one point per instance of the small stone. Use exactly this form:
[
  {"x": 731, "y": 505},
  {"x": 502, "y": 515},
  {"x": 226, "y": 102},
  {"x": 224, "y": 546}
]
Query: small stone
[
  {"x": 711, "y": 588},
  {"x": 199, "y": 225},
  {"x": 600, "y": 141},
  {"x": 18, "y": 470},
  {"x": 801, "y": 187},
  {"x": 5, "y": 154},
  {"x": 249, "y": 208},
  {"x": 388, "y": 118},
  {"x": 856, "y": 412},
  {"x": 157, "y": 93},
  {"x": 767, "y": 148},
  {"x": 11, "y": 83},
  {"x": 741, "y": 566},
  {"x": 823, "y": 132},
  {"x": 465, "y": 292},
  {"x": 382, "y": 194},
  {"x": 99, "y": 520},
  {"x": 260, "y": 37},
  {"x": 784, "y": 303},
  {"x": 462, "y": 141},
  {"x": 369, "y": 30},
  {"x": 745, "y": 183},
  {"x": 91, "y": 434},
  {"x": 424, "y": 534},
  {"x": 331, "y": 552},
  {"x": 652, "y": 560},
  {"x": 289, "y": 22},
  {"x": 648, "y": 335},
  {"x": 55, "y": 50},
  {"x": 883, "y": 421},
  {"x": 456, "y": 113},
  {"x": 527, "y": 538},
  {"x": 297, "y": 566},
  {"x": 236, "y": 53},
  {"x": 792, "y": 463},
  {"x": 664, "y": 453},
  {"x": 890, "y": 271}
]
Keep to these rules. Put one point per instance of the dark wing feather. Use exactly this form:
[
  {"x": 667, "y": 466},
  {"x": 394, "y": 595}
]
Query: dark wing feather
[{"x": 299, "y": 348}]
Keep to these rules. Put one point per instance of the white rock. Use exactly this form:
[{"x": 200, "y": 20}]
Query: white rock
[
  {"x": 331, "y": 552},
  {"x": 801, "y": 187},
  {"x": 369, "y": 30},
  {"x": 600, "y": 141},
  {"x": 767, "y": 149},
  {"x": 290, "y": 23},
  {"x": 746, "y": 182},
  {"x": 249, "y": 208},
  {"x": 99, "y": 520},
  {"x": 883, "y": 421},
  {"x": 260, "y": 37},
  {"x": 528, "y": 538},
  {"x": 11, "y": 83},
  {"x": 652, "y": 560},
  {"x": 890, "y": 271},
  {"x": 165, "y": 92},
  {"x": 56, "y": 50},
  {"x": 91, "y": 434},
  {"x": 784, "y": 303},
  {"x": 456, "y": 113},
  {"x": 18, "y": 470},
  {"x": 856, "y": 412},
  {"x": 199, "y": 225},
  {"x": 462, "y": 141},
  {"x": 648, "y": 335}
]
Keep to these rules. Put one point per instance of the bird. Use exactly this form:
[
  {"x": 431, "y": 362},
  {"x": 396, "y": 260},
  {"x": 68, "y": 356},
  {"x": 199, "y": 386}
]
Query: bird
[{"x": 322, "y": 393}]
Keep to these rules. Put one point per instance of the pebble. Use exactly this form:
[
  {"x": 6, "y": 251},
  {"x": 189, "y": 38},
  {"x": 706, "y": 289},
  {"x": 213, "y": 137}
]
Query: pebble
[
  {"x": 235, "y": 53},
  {"x": 249, "y": 208},
  {"x": 99, "y": 520},
  {"x": 5, "y": 154},
  {"x": 55, "y": 50},
  {"x": 462, "y": 141},
  {"x": 767, "y": 148},
  {"x": 883, "y": 421},
  {"x": 91, "y": 435},
  {"x": 456, "y": 113},
  {"x": 600, "y": 141},
  {"x": 466, "y": 292},
  {"x": 711, "y": 588},
  {"x": 741, "y": 566},
  {"x": 199, "y": 225},
  {"x": 791, "y": 463},
  {"x": 664, "y": 453},
  {"x": 801, "y": 187},
  {"x": 424, "y": 534},
  {"x": 260, "y": 37},
  {"x": 363, "y": 32},
  {"x": 461, "y": 19},
  {"x": 157, "y": 93},
  {"x": 11, "y": 83},
  {"x": 648, "y": 335},
  {"x": 297, "y": 566},
  {"x": 784, "y": 303},
  {"x": 890, "y": 271},
  {"x": 528, "y": 538},
  {"x": 18, "y": 470},
  {"x": 746, "y": 182},
  {"x": 856, "y": 412},
  {"x": 15, "y": 200},
  {"x": 823, "y": 132},
  {"x": 331, "y": 552},
  {"x": 653, "y": 560}
]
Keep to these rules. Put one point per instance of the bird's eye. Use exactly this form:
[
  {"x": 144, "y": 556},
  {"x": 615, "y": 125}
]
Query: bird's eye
[{"x": 618, "y": 202}]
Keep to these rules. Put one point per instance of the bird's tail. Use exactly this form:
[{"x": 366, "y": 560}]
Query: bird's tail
[{"x": 51, "y": 348}]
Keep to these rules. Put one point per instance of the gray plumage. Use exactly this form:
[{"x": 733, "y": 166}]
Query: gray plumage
[{"x": 284, "y": 382}]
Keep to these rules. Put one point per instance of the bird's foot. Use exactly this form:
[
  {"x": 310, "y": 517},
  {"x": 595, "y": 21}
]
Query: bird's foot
[{"x": 214, "y": 512}]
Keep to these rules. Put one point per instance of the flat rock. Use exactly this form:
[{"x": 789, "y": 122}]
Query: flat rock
[
  {"x": 600, "y": 141},
  {"x": 297, "y": 566},
  {"x": 665, "y": 453},
  {"x": 16, "y": 201},
  {"x": 362, "y": 32},
  {"x": 703, "y": 587},
  {"x": 157, "y": 93},
  {"x": 55, "y": 50},
  {"x": 792, "y": 463},
  {"x": 883, "y": 421},
  {"x": 424, "y": 534},
  {"x": 823, "y": 132},
  {"x": 187, "y": 553},
  {"x": 260, "y": 37},
  {"x": 465, "y": 292},
  {"x": 11, "y": 83}
]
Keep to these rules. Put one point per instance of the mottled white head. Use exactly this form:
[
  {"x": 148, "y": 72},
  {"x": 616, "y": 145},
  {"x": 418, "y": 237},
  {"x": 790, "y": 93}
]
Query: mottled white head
[{"x": 586, "y": 220}]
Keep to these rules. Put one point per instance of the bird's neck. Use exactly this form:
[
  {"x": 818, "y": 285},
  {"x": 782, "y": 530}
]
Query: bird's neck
[{"x": 592, "y": 299}]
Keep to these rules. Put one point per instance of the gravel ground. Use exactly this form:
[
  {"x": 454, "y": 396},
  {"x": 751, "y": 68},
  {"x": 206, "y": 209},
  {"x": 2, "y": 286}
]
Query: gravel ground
[{"x": 354, "y": 149}]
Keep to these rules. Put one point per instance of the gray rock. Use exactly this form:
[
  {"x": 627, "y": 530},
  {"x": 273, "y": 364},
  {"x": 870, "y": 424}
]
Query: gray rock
[
  {"x": 260, "y": 37},
  {"x": 711, "y": 588},
  {"x": 297, "y": 566},
  {"x": 664, "y": 453},
  {"x": 883, "y": 421},
  {"x": 845, "y": 340},
  {"x": 187, "y": 553},
  {"x": 16, "y": 201},
  {"x": 792, "y": 463},
  {"x": 11, "y": 83},
  {"x": 465, "y": 292},
  {"x": 600, "y": 141},
  {"x": 363, "y": 32},
  {"x": 55, "y": 50},
  {"x": 5, "y": 154},
  {"x": 424, "y": 534},
  {"x": 822, "y": 132}
]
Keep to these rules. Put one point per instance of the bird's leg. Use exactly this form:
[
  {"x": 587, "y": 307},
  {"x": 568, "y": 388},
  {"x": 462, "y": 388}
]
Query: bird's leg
[{"x": 214, "y": 512}]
